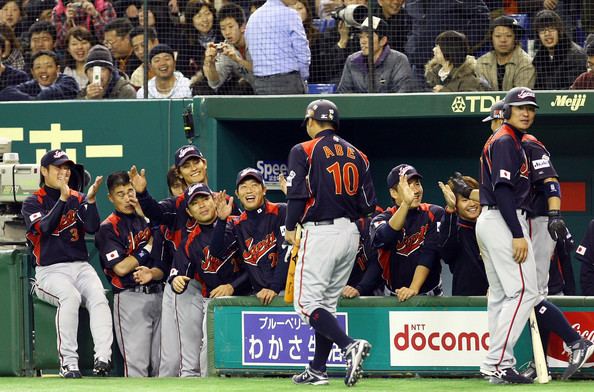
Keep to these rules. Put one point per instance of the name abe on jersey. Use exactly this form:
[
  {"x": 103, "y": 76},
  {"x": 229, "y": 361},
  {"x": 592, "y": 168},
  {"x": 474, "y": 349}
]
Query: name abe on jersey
[{"x": 339, "y": 151}]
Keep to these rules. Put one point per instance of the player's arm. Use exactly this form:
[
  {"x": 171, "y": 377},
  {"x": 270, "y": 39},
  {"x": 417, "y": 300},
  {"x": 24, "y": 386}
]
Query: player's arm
[
  {"x": 179, "y": 275},
  {"x": 88, "y": 213},
  {"x": 113, "y": 252},
  {"x": 419, "y": 278},
  {"x": 297, "y": 192},
  {"x": 367, "y": 199},
  {"x": 449, "y": 246},
  {"x": 145, "y": 275},
  {"x": 279, "y": 275},
  {"x": 407, "y": 195},
  {"x": 369, "y": 281},
  {"x": 37, "y": 220}
]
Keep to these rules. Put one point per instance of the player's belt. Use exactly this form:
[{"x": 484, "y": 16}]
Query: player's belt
[
  {"x": 147, "y": 289},
  {"x": 328, "y": 221},
  {"x": 495, "y": 207}
]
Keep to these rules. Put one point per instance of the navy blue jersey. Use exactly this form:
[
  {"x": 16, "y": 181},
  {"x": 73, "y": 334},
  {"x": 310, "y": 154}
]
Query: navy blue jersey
[
  {"x": 400, "y": 252},
  {"x": 260, "y": 235},
  {"x": 56, "y": 229},
  {"x": 199, "y": 258},
  {"x": 585, "y": 254},
  {"x": 541, "y": 168},
  {"x": 366, "y": 254},
  {"x": 459, "y": 250},
  {"x": 122, "y": 235},
  {"x": 503, "y": 161},
  {"x": 332, "y": 176}
]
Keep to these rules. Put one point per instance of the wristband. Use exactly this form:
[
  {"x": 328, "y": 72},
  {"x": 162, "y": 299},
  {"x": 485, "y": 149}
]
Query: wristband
[{"x": 552, "y": 189}]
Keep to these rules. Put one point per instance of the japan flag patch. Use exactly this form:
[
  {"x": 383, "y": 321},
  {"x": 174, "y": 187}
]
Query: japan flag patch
[
  {"x": 581, "y": 250},
  {"x": 505, "y": 174},
  {"x": 112, "y": 255},
  {"x": 35, "y": 216}
]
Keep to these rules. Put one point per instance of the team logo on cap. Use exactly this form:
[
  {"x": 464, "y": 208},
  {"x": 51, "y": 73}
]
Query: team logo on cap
[
  {"x": 193, "y": 188},
  {"x": 525, "y": 94},
  {"x": 498, "y": 113},
  {"x": 59, "y": 154},
  {"x": 247, "y": 171},
  {"x": 184, "y": 151},
  {"x": 404, "y": 169}
]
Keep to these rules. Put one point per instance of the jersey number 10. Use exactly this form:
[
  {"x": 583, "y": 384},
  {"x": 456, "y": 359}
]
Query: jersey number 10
[{"x": 349, "y": 176}]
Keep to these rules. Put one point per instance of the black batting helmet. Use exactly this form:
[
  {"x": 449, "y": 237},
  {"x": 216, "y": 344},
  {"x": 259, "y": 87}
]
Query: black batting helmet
[
  {"x": 322, "y": 110},
  {"x": 518, "y": 96}
]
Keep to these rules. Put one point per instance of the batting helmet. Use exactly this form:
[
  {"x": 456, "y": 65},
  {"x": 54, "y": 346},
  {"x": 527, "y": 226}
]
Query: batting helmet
[
  {"x": 322, "y": 110},
  {"x": 496, "y": 111},
  {"x": 518, "y": 96}
]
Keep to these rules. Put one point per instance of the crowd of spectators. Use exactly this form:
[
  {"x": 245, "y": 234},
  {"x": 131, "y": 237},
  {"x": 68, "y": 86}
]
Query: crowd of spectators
[{"x": 280, "y": 46}]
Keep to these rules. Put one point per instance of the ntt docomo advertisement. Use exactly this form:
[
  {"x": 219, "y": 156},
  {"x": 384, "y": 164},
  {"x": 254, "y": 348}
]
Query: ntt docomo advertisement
[{"x": 438, "y": 338}]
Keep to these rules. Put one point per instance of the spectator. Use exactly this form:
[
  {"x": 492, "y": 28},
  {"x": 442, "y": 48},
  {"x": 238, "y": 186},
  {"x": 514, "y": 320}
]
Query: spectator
[
  {"x": 558, "y": 60},
  {"x": 9, "y": 76},
  {"x": 11, "y": 53},
  {"x": 226, "y": 69},
  {"x": 394, "y": 14},
  {"x": 198, "y": 34},
  {"x": 586, "y": 80},
  {"x": 392, "y": 70},
  {"x": 137, "y": 39},
  {"x": 585, "y": 254},
  {"x": 587, "y": 17},
  {"x": 12, "y": 15},
  {"x": 47, "y": 84},
  {"x": 117, "y": 39},
  {"x": 451, "y": 68},
  {"x": 279, "y": 49},
  {"x": 317, "y": 68},
  {"x": 507, "y": 65},
  {"x": 42, "y": 36},
  {"x": 255, "y": 4},
  {"x": 78, "y": 43},
  {"x": 158, "y": 19},
  {"x": 91, "y": 15},
  {"x": 111, "y": 85},
  {"x": 430, "y": 18},
  {"x": 167, "y": 83},
  {"x": 37, "y": 10}
]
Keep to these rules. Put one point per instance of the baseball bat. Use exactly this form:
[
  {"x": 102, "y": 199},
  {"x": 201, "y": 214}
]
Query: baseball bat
[
  {"x": 540, "y": 363},
  {"x": 290, "y": 285}
]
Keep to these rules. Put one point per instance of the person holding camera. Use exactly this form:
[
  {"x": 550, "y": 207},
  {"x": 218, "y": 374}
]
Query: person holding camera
[
  {"x": 9, "y": 76},
  {"x": 105, "y": 81},
  {"x": 92, "y": 15},
  {"x": 167, "y": 83},
  {"x": 225, "y": 65}
]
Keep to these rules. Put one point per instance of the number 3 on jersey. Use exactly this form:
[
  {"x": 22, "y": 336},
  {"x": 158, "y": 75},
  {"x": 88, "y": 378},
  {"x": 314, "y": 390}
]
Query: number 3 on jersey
[{"x": 347, "y": 175}]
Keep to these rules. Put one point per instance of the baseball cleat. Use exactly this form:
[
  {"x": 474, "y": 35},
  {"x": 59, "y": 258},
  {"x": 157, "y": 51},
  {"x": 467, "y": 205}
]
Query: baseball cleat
[
  {"x": 311, "y": 377},
  {"x": 508, "y": 376},
  {"x": 355, "y": 354},
  {"x": 580, "y": 352},
  {"x": 530, "y": 372},
  {"x": 70, "y": 371},
  {"x": 101, "y": 367}
]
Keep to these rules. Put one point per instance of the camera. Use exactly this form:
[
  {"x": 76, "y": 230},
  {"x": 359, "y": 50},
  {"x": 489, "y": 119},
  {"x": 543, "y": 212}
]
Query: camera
[
  {"x": 219, "y": 46},
  {"x": 353, "y": 15}
]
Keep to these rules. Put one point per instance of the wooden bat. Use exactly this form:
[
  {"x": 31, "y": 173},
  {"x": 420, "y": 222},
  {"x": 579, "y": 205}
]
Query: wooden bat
[
  {"x": 290, "y": 285},
  {"x": 540, "y": 363}
]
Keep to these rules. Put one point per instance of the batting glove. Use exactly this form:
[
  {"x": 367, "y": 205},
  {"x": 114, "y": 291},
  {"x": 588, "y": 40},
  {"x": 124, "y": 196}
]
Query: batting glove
[
  {"x": 460, "y": 186},
  {"x": 559, "y": 231}
]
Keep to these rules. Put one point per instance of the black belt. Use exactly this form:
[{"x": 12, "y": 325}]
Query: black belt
[
  {"x": 277, "y": 75},
  {"x": 329, "y": 221},
  {"x": 147, "y": 289},
  {"x": 495, "y": 207}
]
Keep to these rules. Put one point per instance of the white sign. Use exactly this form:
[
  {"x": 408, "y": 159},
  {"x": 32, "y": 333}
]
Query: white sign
[{"x": 438, "y": 338}]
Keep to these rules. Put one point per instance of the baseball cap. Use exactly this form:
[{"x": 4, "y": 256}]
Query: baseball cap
[
  {"x": 161, "y": 48},
  {"x": 519, "y": 96},
  {"x": 507, "y": 21},
  {"x": 246, "y": 173},
  {"x": 56, "y": 158},
  {"x": 496, "y": 111},
  {"x": 404, "y": 168},
  {"x": 195, "y": 190},
  {"x": 184, "y": 152}
]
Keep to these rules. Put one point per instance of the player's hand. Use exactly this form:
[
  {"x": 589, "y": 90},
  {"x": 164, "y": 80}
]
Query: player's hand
[
  {"x": 92, "y": 193},
  {"x": 448, "y": 195},
  {"x": 142, "y": 274},
  {"x": 137, "y": 179},
  {"x": 64, "y": 188},
  {"x": 282, "y": 182},
  {"x": 350, "y": 292},
  {"x": 136, "y": 204},
  {"x": 180, "y": 283},
  {"x": 223, "y": 206},
  {"x": 223, "y": 290},
  {"x": 558, "y": 230},
  {"x": 520, "y": 249},
  {"x": 407, "y": 195},
  {"x": 460, "y": 186},
  {"x": 266, "y": 296},
  {"x": 405, "y": 293},
  {"x": 290, "y": 237}
]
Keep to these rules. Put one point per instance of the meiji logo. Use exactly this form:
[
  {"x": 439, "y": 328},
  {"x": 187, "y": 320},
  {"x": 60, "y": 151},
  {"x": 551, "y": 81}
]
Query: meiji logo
[
  {"x": 184, "y": 151},
  {"x": 59, "y": 154},
  {"x": 573, "y": 103},
  {"x": 525, "y": 94},
  {"x": 437, "y": 341}
]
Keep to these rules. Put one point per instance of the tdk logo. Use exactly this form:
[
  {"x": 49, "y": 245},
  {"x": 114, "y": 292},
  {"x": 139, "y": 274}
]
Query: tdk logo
[{"x": 573, "y": 103}]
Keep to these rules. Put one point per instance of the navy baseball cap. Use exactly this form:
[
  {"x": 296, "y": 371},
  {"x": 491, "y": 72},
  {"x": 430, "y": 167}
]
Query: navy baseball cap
[
  {"x": 496, "y": 111},
  {"x": 249, "y": 172},
  {"x": 184, "y": 152},
  {"x": 195, "y": 190},
  {"x": 56, "y": 158},
  {"x": 519, "y": 96},
  {"x": 402, "y": 169}
]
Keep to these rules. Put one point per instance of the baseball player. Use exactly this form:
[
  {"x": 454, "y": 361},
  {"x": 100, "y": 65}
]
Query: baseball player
[
  {"x": 585, "y": 254},
  {"x": 457, "y": 238},
  {"x": 57, "y": 220},
  {"x": 406, "y": 237},
  {"x": 329, "y": 186},
  {"x": 495, "y": 117},
  {"x": 260, "y": 231},
  {"x": 561, "y": 280},
  {"x": 125, "y": 244},
  {"x": 503, "y": 237}
]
